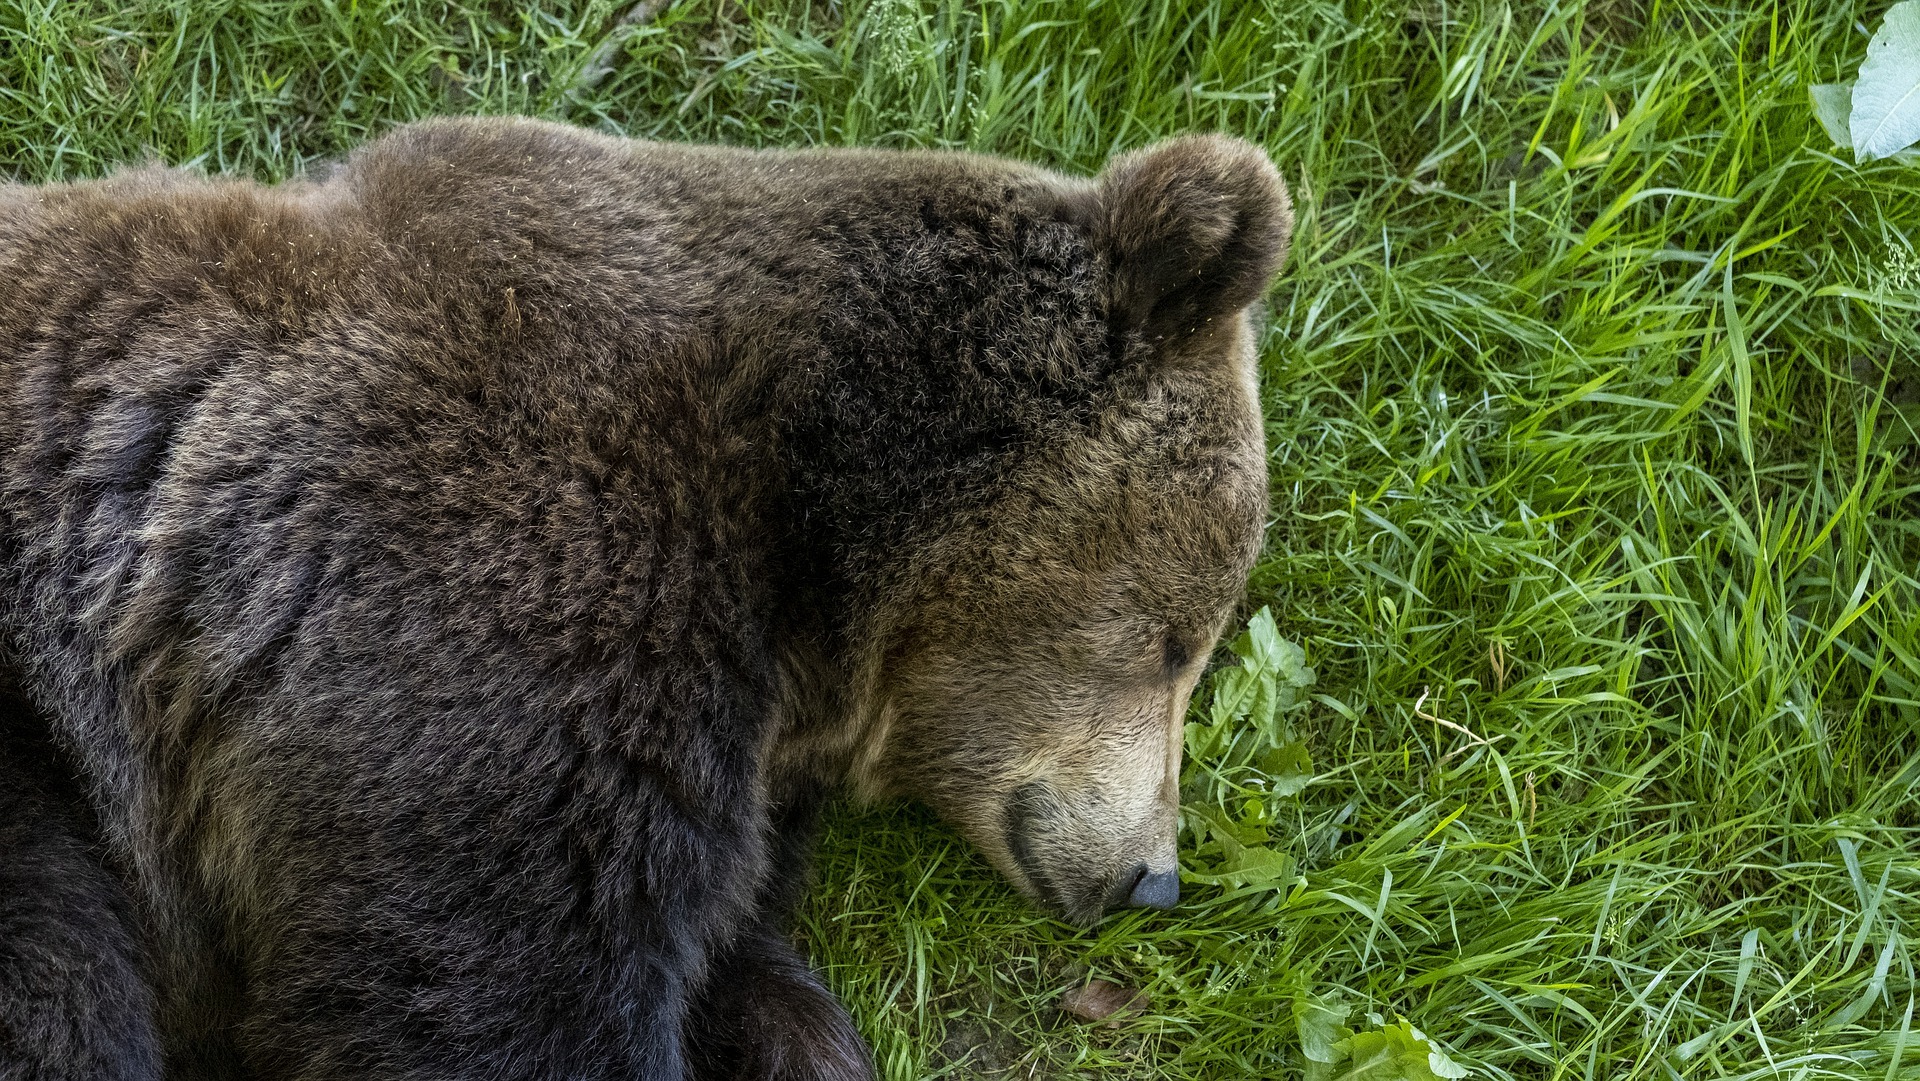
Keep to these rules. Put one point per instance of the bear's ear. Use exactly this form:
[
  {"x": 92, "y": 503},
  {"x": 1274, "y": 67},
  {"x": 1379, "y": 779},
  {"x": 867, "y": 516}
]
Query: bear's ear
[{"x": 1193, "y": 228}]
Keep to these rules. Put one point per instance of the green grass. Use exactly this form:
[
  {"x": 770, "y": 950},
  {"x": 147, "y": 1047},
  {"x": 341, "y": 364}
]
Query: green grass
[{"x": 1592, "y": 391}]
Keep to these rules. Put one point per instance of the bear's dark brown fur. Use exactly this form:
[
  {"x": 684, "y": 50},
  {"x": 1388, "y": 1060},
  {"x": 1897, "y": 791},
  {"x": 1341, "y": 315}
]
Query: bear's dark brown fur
[{"x": 454, "y": 582}]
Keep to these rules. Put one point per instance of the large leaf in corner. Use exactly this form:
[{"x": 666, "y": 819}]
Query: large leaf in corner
[{"x": 1886, "y": 97}]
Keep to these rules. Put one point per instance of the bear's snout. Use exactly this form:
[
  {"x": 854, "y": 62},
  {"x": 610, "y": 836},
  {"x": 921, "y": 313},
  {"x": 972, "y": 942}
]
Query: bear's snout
[
  {"x": 1144, "y": 887},
  {"x": 1154, "y": 889},
  {"x": 1059, "y": 855}
]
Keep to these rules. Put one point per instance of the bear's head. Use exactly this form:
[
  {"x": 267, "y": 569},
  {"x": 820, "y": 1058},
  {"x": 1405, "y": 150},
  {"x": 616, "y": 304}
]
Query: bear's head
[{"x": 1032, "y": 679}]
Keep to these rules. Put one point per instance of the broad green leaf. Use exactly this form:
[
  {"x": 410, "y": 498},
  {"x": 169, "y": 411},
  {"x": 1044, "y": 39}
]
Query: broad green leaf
[
  {"x": 1438, "y": 1063},
  {"x": 1288, "y": 768},
  {"x": 1322, "y": 1025},
  {"x": 1264, "y": 706},
  {"x": 1233, "y": 693},
  {"x": 1257, "y": 865},
  {"x": 1201, "y": 739},
  {"x": 1441, "y": 1066},
  {"x": 1292, "y": 667},
  {"x": 1886, "y": 96},
  {"x": 1397, "y": 1052},
  {"x": 1254, "y": 819},
  {"x": 1832, "y": 104},
  {"x": 1370, "y": 1056},
  {"x": 1263, "y": 639},
  {"x": 1222, "y": 832}
]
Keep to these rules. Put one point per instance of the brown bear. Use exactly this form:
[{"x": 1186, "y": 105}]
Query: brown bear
[{"x": 436, "y": 597}]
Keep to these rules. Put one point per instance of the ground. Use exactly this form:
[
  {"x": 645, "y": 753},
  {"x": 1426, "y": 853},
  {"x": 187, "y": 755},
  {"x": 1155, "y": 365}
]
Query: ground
[{"x": 1592, "y": 392}]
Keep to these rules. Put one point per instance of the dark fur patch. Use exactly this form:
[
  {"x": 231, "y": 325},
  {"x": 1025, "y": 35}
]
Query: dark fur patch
[
  {"x": 767, "y": 1017},
  {"x": 72, "y": 1003}
]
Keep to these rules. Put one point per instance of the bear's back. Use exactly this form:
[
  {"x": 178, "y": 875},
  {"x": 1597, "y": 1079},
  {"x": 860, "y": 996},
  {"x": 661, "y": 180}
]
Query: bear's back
[{"x": 514, "y": 358}]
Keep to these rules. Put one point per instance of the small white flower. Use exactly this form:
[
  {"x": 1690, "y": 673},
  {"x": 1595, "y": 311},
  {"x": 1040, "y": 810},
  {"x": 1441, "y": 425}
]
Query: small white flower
[
  {"x": 893, "y": 31},
  {"x": 1901, "y": 271}
]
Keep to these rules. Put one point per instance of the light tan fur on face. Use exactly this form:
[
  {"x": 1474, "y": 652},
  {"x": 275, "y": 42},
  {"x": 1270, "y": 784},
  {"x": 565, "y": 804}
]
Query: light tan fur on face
[{"x": 1030, "y": 656}]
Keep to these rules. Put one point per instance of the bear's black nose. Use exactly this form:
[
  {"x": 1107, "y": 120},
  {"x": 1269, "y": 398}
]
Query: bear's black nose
[{"x": 1155, "y": 889}]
